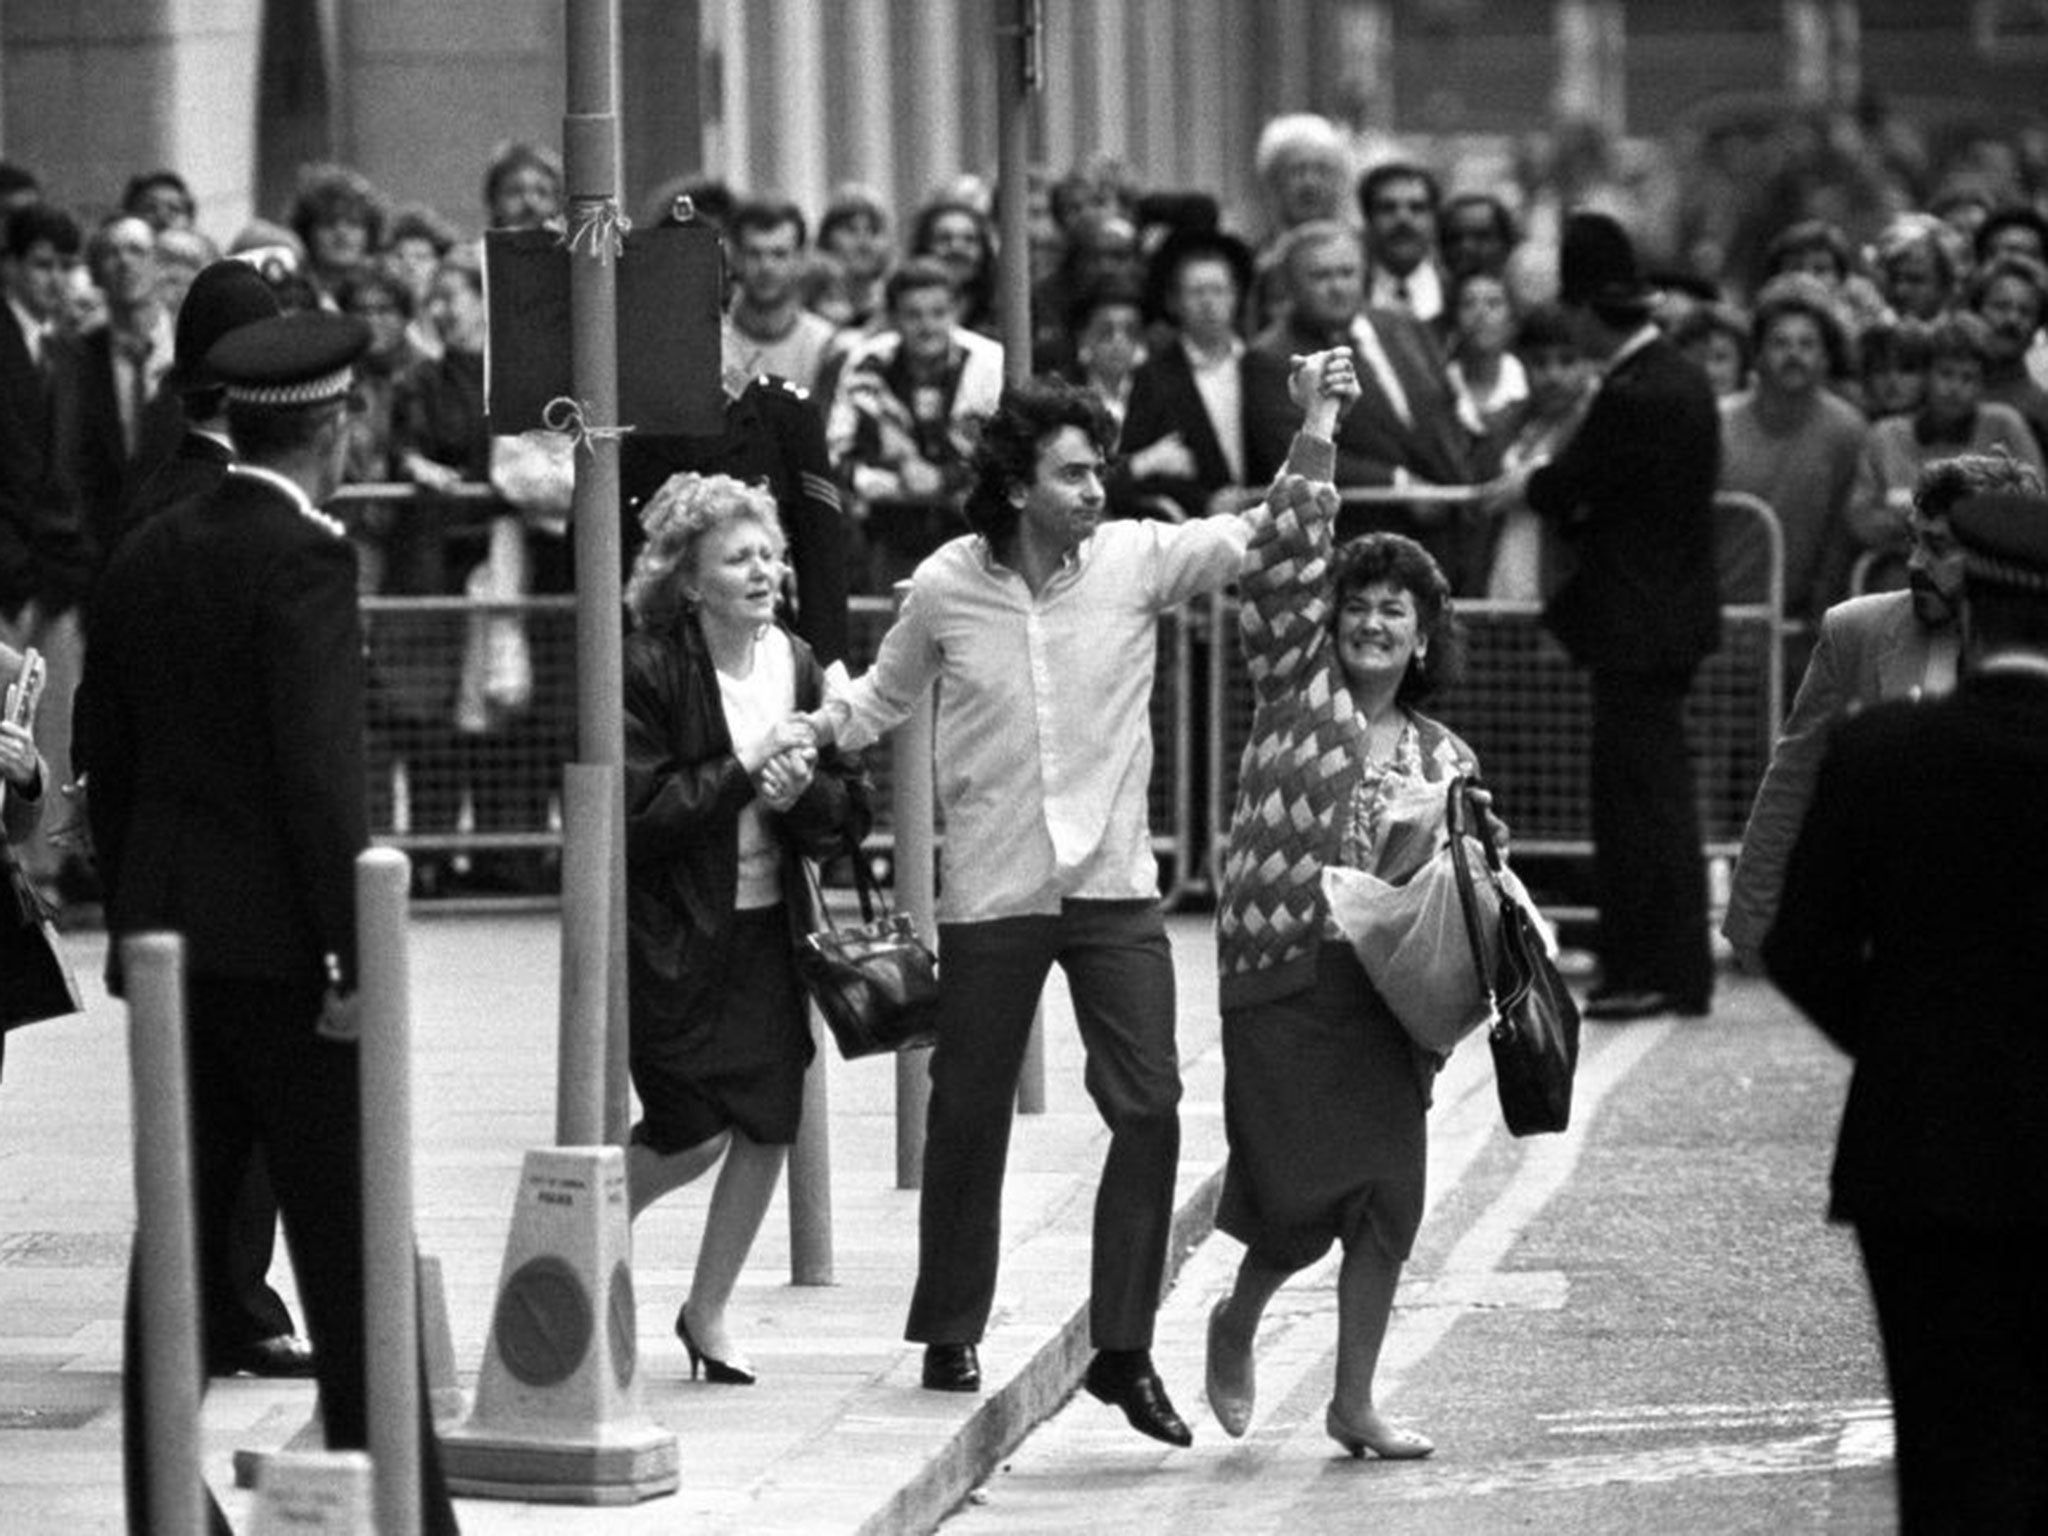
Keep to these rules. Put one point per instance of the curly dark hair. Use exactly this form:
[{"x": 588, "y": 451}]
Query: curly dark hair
[
  {"x": 1400, "y": 562},
  {"x": 328, "y": 194},
  {"x": 1006, "y": 456},
  {"x": 1797, "y": 293}
]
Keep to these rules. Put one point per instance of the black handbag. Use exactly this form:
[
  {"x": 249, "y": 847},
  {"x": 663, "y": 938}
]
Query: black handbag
[
  {"x": 876, "y": 984},
  {"x": 1535, "y": 1030},
  {"x": 35, "y": 981}
]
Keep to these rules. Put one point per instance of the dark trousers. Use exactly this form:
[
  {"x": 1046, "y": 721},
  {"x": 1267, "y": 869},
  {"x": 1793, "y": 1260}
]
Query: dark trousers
[
  {"x": 1966, "y": 1348},
  {"x": 1649, "y": 872},
  {"x": 241, "y": 1306},
  {"x": 1120, "y": 971},
  {"x": 260, "y": 1075}
]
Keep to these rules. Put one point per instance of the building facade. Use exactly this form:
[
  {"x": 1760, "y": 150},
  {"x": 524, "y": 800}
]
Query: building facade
[{"x": 795, "y": 95}]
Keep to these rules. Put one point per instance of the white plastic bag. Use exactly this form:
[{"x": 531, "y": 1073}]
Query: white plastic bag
[{"x": 1412, "y": 942}]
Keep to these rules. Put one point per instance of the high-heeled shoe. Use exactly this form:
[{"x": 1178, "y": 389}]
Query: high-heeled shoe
[
  {"x": 720, "y": 1372},
  {"x": 1229, "y": 1380},
  {"x": 1389, "y": 1444}
]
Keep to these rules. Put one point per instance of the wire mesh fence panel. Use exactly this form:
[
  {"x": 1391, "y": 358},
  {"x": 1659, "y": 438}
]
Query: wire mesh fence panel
[
  {"x": 1526, "y": 710},
  {"x": 1731, "y": 719},
  {"x": 472, "y": 713}
]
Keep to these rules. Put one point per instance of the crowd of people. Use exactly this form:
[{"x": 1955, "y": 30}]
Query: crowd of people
[
  {"x": 1363, "y": 413},
  {"x": 1845, "y": 354}
]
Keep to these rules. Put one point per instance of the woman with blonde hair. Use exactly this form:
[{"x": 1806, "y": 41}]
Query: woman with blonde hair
[{"x": 725, "y": 795}]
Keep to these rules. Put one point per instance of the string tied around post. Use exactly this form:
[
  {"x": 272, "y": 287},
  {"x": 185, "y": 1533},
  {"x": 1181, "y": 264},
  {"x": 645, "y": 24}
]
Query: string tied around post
[
  {"x": 565, "y": 414},
  {"x": 598, "y": 228}
]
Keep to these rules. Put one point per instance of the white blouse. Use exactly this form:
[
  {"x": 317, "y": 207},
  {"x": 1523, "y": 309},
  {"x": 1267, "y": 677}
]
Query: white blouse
[{"x": 754, "y": 705}]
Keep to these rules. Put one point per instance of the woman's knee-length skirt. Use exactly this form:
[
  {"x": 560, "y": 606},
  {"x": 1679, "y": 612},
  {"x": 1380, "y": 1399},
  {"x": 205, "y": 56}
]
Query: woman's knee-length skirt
[{"x": 1325, "y": 1101}]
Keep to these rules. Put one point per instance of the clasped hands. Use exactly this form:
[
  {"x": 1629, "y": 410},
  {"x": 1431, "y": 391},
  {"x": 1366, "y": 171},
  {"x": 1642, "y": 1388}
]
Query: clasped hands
[
  {"x": 783, "y": 762},
  {"x": 1323, "y": 384}
]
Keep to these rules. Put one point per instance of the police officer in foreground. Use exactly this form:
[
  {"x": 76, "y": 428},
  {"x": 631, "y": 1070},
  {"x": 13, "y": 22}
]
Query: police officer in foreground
[
  {"x": 1913, "y": 929},
  {"x": 225, "y": 700},
  {"x": 248, "y": 1327}
]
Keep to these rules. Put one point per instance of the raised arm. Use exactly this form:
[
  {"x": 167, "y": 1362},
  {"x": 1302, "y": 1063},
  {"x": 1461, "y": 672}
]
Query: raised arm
[{"x": 1287, "y": 602}]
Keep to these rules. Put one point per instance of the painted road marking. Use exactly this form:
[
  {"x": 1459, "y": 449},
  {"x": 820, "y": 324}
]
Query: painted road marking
[
  {"x": 1824, "y": 1439},
  {"x": 1546, "y": 1166}
]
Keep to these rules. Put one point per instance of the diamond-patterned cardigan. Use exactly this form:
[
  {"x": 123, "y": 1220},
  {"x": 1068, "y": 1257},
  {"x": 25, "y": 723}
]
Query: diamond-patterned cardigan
[{"x": 1305, "y": 756}]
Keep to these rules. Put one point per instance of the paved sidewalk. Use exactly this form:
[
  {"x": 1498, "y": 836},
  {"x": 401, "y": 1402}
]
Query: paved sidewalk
[{"x": 837, "y": 1437}]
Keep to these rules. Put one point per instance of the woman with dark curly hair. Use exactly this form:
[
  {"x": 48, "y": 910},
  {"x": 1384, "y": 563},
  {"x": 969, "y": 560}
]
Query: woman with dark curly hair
[
  {"x": 960, "y": 238},
  {"x": 338, "y": 215},
  {"x": 725, "y": 794},
  {"x": 1324, "y": 1093}
]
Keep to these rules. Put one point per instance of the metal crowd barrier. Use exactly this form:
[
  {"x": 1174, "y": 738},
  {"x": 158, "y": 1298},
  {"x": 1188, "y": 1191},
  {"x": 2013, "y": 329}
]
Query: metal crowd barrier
[
  {"x": 438, "y": 784},
  {"x": 449, "y": 772}
]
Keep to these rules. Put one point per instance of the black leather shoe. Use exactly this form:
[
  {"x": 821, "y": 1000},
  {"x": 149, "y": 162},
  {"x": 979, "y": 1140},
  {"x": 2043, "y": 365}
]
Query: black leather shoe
[
  {"x": 1142, "y": 1396},
  {"x": 951, "y": 1368},
  {"x": 284, "y": 1355}
]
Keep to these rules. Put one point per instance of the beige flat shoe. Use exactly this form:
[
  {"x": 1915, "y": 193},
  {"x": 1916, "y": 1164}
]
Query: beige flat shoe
[
  {"x": 1384, "y": 1441},
  {"x": 1229, "y": 1379}
]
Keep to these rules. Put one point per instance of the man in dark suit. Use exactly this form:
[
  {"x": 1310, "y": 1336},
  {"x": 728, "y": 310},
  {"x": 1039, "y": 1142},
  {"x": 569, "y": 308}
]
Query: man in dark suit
[
  {"x": 1403, "y": 430},
  {"x": 225, "y": 713},
  {"x": 1633, "y": 491},
  {"x": 1913, "y": 929},
  {"x": 45, "y": 556},
  {"x": 1186, "y": 433},
  {"x": 128, "y": 419},
  {"x": 248, "y": 1327}
]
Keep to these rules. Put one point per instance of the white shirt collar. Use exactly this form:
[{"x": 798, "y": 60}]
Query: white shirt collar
[
  {"x": 35, "y": 333},
  {"x": 1199, "y": 359}
]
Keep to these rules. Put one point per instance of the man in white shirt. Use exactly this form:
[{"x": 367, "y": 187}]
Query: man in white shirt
[{"x": 1041, "y": 629}]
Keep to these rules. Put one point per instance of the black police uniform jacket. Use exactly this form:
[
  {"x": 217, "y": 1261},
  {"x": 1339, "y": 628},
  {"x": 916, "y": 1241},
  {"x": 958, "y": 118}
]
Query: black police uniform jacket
[
  {"x": 684, "y": 793},
  {"x": 224, "y": 704},
  {"x": 1913, "y": 929}
]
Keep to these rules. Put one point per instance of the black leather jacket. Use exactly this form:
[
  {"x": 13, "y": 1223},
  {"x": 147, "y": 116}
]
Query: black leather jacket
[{"x": 684, "y": 793}]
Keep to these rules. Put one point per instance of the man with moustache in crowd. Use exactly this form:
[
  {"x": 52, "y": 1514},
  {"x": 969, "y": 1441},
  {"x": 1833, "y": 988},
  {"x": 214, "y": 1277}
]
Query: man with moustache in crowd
[{"x": 1886, "y": 645}]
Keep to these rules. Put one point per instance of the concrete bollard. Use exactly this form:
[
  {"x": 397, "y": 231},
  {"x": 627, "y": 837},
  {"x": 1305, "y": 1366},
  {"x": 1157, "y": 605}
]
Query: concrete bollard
[
  {"x": 166, "y": 1256},
  {"x": 912, "y": 814},
  {"x": 810, "y": 1171},
  {"x": 390, "y": 1269},
  {"x": 316, "y": 1493}
]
